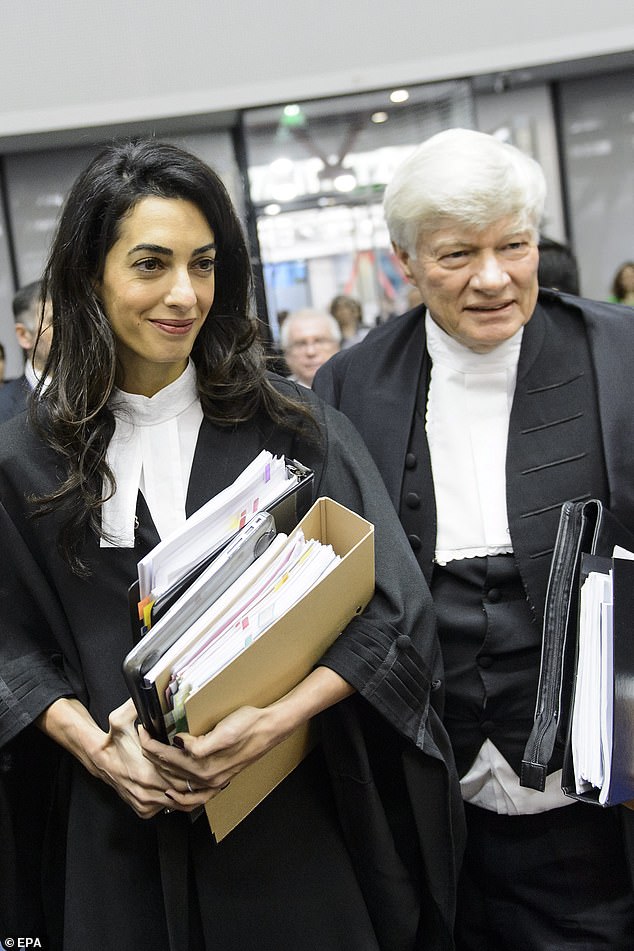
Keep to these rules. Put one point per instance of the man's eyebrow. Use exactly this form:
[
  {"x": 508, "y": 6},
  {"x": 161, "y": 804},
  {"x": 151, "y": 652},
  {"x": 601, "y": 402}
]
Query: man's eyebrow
[{"x": 159, "y": 249}]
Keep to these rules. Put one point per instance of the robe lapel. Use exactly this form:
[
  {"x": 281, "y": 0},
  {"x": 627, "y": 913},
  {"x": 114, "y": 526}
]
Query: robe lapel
[
  {"x": 554, "y": 443},
  {"x": 221, "y": 455},
  {"x": 388, "y": 408}
]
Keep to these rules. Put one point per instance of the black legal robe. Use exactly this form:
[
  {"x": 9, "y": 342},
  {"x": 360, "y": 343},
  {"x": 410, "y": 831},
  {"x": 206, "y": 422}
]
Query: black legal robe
[
  {"x": 555, "y": 451},
  {"x": 327, "y": 861}
]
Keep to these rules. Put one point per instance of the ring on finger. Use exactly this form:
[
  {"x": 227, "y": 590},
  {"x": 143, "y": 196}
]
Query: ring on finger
[{"x": 189, "y": 787}]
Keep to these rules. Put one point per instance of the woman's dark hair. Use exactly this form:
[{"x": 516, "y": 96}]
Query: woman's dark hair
[{"x": 72, "y": 413}]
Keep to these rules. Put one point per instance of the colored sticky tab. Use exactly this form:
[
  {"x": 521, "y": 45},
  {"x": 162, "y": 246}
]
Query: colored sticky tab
[
  {"x": 267, "y": 472},
  {"x": 141, "y": 606},
  {"x": 147, "y": 613}
]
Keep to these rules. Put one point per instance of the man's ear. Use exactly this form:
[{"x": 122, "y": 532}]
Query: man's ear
[
  {"x": 26, "y": 337},
  {"x": 404, "y": 261}
]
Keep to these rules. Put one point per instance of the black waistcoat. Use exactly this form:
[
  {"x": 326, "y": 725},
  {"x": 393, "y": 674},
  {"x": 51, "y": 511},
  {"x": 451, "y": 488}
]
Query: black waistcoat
[{"x": 492, "y": 644}]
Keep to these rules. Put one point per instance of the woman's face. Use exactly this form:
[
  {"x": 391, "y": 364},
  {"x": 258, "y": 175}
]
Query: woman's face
[{"x": 157, "y": 289}]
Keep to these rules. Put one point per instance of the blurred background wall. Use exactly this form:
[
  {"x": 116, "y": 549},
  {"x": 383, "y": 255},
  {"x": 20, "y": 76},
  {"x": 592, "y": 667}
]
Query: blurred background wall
[{"x": 306, "y": 109}]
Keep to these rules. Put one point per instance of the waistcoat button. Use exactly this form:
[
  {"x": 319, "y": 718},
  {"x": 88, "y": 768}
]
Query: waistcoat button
[
  {"x": 412, "y": 500},
  {"x": 414, "y": 541},
  {"x": 410, "y": 461},
  {"x": 494, "y": 595}
]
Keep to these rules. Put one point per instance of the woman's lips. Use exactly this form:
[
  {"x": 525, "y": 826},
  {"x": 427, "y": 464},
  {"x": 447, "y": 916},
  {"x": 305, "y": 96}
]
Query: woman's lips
[{"x": 175, "y": 327}]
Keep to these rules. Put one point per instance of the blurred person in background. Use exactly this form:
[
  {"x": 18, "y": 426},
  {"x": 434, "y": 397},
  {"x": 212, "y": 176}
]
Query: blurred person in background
[
  {"x": 557, "y": 267},
  {"x": 623, "y": 284},
  {"x": 349, "y": 315},
  {"x": 308, "y": 338},
  {"x": 30, "y": 762},
  {"x": 33, "y": 332}
]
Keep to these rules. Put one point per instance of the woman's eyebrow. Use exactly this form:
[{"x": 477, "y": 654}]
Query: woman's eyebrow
[
  {"x": 159, "y": 249},
  {"x": 154, "y": 248}
]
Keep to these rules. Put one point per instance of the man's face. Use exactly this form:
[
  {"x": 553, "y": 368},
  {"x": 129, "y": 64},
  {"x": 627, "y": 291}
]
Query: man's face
[
  {"x": 310, "y": 344},
  {"x": 27, "y": 334},
  {"x": 480, "y": 286}
]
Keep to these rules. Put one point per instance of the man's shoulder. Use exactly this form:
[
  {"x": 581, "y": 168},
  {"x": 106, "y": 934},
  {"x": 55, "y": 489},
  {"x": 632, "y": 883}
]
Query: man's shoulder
[
  {"x": 291, "y": 388},
  {"x": 13, "y": 397},
  {"x": 587, "y": 309},
  {"x": 393, "y": 329},
  {"x": 381, "y": 340}
]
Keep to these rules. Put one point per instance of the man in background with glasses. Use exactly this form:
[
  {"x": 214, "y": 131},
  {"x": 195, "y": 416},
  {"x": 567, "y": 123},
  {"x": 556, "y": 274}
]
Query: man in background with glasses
[{"x": 308, "y": 338}]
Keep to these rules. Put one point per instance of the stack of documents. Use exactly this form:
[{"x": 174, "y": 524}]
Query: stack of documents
[
  {"x": 593, "y": 709},
  {"x": 254, "y": 639},
  {"x": 275, "y": 581},
  {"x": 603, "y": 704},
  {"x": 268, "y": 483}
]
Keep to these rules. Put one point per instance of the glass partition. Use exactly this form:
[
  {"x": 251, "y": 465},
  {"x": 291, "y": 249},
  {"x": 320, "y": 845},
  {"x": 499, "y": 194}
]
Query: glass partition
[
  {"x": 597, "y": 118},
  {"x": 317, "y": 171}
]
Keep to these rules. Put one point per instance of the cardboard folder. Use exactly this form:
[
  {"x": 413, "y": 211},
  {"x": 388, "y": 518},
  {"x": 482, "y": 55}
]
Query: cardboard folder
[{"x": 283, "y": 655}]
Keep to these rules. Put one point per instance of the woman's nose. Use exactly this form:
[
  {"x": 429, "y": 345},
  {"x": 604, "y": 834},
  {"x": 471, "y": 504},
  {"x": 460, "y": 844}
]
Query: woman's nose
[{"x": 181, "y": 292}]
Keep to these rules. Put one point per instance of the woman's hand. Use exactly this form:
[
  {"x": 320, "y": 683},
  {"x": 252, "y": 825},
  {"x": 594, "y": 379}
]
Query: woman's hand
[
  {"x": 151, "y": 776},
  {"x": 119, "y": 761},
  {"x": 115, "y": 757},
  {"x": 196, "y": 768}
]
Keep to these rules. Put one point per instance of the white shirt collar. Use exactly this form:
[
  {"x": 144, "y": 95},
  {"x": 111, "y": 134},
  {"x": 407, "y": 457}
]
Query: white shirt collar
[
  {"x": 152, "y": 449},
  {"x": 31, "y": 376},
  {"x": 163, "y": 406},
  {"x": 468, "y": 410},
  {"x": 446, "y": 350}
]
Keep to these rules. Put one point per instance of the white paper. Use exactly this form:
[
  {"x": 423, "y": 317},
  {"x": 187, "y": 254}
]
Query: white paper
[{"x": 259, "y": 485}]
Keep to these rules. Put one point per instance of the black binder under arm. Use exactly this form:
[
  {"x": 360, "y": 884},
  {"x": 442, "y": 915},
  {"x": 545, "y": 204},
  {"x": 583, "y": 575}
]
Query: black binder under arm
[
  {"x": 541, "y": 742},
  {"x": 584, "y": 527}
]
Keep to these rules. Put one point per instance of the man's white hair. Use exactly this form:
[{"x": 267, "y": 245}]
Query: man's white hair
[
  {"x": 463, "y": 176},
  {"x": 299, "y": 315}
]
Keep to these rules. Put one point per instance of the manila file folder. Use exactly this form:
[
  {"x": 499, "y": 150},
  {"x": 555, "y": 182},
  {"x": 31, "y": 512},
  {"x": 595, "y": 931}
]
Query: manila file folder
[{"x": 283, "y": 655}]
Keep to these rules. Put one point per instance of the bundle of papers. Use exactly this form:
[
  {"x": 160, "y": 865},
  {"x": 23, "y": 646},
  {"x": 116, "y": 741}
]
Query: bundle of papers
[
  {"x": 592, "y": 727},
  {"x": 263, "y": 482},
  {"x": 279, "y": 578},
  {"x": 248, "y": 635}
]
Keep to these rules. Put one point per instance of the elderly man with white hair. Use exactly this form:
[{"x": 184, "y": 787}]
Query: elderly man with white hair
[
  {"x": 486, "y": 408},
  {"x": 308, "y": 338}
]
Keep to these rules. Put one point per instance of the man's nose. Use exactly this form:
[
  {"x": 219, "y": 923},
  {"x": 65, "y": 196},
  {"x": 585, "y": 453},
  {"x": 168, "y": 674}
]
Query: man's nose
[{"x": 490, "y": 274}]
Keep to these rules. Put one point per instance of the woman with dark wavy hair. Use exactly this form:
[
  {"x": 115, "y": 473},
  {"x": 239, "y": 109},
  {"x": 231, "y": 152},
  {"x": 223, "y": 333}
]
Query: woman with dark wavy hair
[{"x": 159, "y": 398}]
